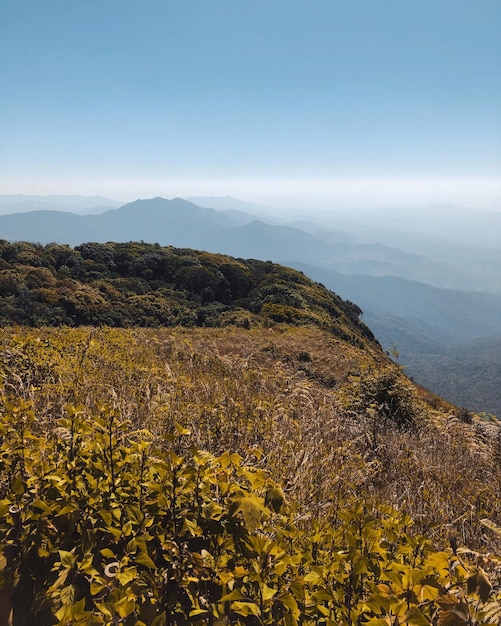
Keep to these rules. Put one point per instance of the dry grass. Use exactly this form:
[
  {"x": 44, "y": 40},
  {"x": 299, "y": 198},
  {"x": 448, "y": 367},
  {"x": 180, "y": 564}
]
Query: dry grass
[{"x": 297, "y": 394}]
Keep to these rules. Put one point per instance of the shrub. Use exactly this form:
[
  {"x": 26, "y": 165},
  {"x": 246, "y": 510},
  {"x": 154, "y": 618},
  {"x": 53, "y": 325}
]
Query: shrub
[{"x": 102, "y": 523}]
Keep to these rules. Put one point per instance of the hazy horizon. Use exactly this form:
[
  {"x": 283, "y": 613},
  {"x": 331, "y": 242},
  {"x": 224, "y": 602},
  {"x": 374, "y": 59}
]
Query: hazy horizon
[
  {"x": 317, "y": 195},
  {"x": 326, "y": 104}
]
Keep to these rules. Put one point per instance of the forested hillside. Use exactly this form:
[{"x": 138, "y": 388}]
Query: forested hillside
[
  {"x": 468, "y": 373},
  {"x": 138, "y": 284},
  {"x": 253, "y": 458}
]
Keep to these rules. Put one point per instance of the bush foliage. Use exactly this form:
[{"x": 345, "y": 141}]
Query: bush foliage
[
  {"x": 106, "y": 524},
  {"x": 217, "y": 476}
]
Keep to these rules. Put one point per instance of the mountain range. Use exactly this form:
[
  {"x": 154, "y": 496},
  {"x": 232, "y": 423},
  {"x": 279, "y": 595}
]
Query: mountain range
[{"x": 426, "y": 305}]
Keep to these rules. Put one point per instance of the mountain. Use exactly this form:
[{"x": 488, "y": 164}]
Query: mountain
[
  {"x": 402, "y": 311},
  {"x": 464, "y": 245},
  {"x": 182, "y": 223},
  {"x": 157, "y": 220},
  {"x": 228, "y": 203},
  {"x": 443, "y": 315}
]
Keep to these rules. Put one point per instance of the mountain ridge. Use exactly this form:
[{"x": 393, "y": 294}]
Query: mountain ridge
[
  {"x": 143, "y": 284},
  {"x": 425, "y": 316}
]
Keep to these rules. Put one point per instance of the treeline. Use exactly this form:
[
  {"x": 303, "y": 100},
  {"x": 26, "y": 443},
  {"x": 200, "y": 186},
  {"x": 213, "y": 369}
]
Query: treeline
[{"x": 140, "y": 284}]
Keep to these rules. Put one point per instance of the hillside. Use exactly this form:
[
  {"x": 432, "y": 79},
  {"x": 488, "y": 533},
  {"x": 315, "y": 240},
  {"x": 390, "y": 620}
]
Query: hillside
[
  {"x": 255, "y": 458},
  {"x": 142, "y": 284},
  {"x": 138, "y": 284},
  {"x": 322, "y": 410},
  {"x": 235, "y": 476},
  {"x": 446, "y": 339},
  {"x": 478, "y": 362}
]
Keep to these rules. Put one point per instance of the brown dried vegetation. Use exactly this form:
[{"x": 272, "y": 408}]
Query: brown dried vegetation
[{"x": 345, "y": 425}]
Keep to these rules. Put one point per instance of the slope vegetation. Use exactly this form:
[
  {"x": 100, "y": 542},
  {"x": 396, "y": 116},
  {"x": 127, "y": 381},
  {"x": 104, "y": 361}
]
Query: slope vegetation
[
  {"x": 136, "y": 284},
  {"x": 264, "y": 464},
  {"x": 230, "y": 476}
]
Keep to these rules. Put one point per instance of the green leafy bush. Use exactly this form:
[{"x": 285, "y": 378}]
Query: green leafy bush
[{"x": 102, "y": 523}]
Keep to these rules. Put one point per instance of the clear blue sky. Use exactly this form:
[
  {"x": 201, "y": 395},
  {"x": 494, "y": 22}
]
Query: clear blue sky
[{"x": 180, "y": 97}]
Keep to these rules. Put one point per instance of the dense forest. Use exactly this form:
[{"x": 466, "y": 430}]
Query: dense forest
[
  {"x": 191, "y": 438},
  {"x": 138, "y": 284}
]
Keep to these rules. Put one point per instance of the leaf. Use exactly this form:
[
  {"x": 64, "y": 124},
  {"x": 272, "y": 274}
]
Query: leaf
[
  {"x": 480, "y": 583},
  {"x": 287, "y": 599},
  {"x": 144, "y": 559},
  {"x": 314, "y": 577},
  {"x": 191, "y": 527},
  {"x": 454, "y": 611},
  {"x": 251, "y": 507},
  {"x": 107, "y": 553},
  {"x": 416, "y": 618},
  {"x": 106, "y": 516},
  {"x": 267, "y": 592},
  {"x": 67, "y": 595},
  {"x": 36, "y": 504},
  {"x": 236, "y": 594},
  {"x": 134, "y": 514},
  {"x": 96, "y": 587},
  {"x": 106, "y": 609},
  {"x": 239, "y": 572},
  {"x": 324, "y": 595},
  {"x": 439, "y": 561},
  {"x": 68, "y": 508},
  {"x": 125, "y": 606},
  {"x": 246, "y": 608},
  {"x": 236, "y": 459},
  {"x": 131, "y": 546},
  {"x": 430, "y": 589},
  {"x": 195, "y": 612},
  {"x": 67, "y": 559},
  {"x": 127, "y": 575},
  {"x": 18, "y": 487}
]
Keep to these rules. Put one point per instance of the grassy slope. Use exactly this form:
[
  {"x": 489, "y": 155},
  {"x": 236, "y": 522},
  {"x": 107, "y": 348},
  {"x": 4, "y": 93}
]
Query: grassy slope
[
  {"x": 323, "y": 412},
  {"x": 287, "y": 367},
  {"x": 94, "y": 417}
]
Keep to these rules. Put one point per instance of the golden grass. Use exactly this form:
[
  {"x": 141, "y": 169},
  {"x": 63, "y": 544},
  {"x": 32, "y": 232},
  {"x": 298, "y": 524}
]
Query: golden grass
[{"x": 299, "y": 395}]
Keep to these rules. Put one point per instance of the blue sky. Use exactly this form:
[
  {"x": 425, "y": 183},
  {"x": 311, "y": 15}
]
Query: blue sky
[{"x": 286, "y": 101}]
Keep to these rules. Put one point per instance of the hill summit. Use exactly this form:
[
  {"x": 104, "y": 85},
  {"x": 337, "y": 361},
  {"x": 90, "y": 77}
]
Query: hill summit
[{"x": 139, "y": 284}]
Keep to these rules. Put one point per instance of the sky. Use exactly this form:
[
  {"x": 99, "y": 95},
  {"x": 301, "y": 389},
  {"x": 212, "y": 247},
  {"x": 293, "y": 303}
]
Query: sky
[{"x": 336, "y": 103}]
